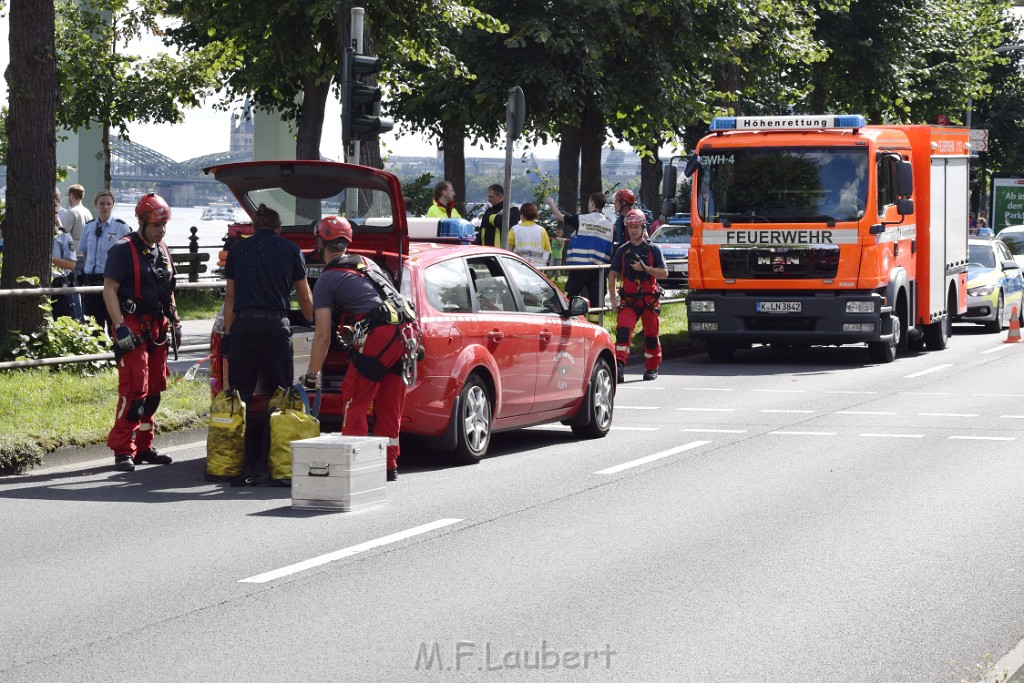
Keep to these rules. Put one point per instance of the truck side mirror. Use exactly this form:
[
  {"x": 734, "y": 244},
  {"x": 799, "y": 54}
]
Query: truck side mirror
[
  {"x": 904, "y": 179},
  {"x": 668, "y": 190},
  {"x": 904, "y": 206},
  {"x": 692, "y": 164}
]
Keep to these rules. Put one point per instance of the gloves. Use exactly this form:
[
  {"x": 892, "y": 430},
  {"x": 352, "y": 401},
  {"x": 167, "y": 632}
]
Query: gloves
[
  {"x": 225, "y": 346},
  {"x": 125, "y": 338},
  {"x": 311, "y": 381},
  {"x": 177, "y": 335}
]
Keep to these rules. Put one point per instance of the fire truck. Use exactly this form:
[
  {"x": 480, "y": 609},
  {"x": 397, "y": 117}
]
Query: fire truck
[{"x": 823, "y": 230}]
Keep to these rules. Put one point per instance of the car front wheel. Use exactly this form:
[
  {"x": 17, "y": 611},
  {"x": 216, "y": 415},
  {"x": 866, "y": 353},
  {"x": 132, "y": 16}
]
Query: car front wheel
[
  {"x": 474, "y": 421},
  {"x": 601, "y": 402},
  {"x": 996, "y": 325}
]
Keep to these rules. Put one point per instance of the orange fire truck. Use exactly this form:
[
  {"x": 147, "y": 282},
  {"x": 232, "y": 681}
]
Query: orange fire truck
[{"x": 825, "y": 230}]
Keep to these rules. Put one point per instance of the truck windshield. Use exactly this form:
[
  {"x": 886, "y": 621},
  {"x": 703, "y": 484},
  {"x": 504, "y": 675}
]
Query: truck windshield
[{"x": 783, "y": 185}]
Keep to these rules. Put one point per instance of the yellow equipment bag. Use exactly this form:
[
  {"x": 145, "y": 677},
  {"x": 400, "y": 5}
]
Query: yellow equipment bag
[
  {"x": 225, "y": 440},
  {"x": 289, "y": 421}
]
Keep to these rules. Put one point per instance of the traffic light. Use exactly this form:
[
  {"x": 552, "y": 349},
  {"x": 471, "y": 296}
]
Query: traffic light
[{"x": 360, "y": 103}]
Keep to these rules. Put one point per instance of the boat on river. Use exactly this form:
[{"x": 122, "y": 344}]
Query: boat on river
[{"x": 219, "y": 212}]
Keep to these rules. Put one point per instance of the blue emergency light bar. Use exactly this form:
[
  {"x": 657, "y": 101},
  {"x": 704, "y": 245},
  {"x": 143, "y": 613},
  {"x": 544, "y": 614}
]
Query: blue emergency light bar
[
  {"x": 802, "y": 122},
  {"x": 457, "y": 228}
]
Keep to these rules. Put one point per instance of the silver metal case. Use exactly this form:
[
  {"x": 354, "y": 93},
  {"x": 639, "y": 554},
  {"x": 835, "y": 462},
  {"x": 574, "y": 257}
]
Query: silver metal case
[{"x": 335, "y": 472}]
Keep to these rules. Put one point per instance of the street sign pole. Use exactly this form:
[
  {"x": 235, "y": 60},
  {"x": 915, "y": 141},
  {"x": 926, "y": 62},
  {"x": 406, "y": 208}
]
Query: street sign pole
[{"x": 514, "y": 118}]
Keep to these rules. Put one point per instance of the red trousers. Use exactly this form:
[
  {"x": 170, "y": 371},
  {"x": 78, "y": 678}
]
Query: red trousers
[
  {"x": 387, "y": 395},
  {"x": 141, "y": 377},
  {"x": 625, "y": 323}
]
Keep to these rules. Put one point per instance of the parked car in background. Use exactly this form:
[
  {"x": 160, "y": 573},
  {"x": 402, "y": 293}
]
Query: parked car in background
[
  {"x": 673, "y": 238},
  {"x": 995, "y": 285},
  {"x": 503, "y": 346},
  {"x": 1013, "y": 237}
]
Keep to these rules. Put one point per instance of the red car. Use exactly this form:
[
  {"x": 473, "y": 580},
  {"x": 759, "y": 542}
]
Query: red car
[{"x": 503, "y": 346}]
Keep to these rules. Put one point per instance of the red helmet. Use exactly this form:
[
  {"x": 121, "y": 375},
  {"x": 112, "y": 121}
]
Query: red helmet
[
  {"x": 332, "y": 228},
  {"x": 635, "y": 217},
  {"x": 153, "y": 209},
  {"x": 626, "y": 196}
]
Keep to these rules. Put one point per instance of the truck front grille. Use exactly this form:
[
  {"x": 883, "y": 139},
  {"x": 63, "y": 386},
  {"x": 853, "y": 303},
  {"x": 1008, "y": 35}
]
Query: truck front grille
[{"x": 780, "y": 263}]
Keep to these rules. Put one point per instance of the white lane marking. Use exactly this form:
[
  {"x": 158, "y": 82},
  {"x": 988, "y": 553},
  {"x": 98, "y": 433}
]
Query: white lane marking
[
  {"x": 348, "y": 552},
  {"x": 984, "y": 438},
  {"x": 996, "y": 349},
  {"x": 1001, "y": 395},
  {"x": 781, "y": 391},
  {"x": 948, "y": 414},
  {"x": 873, "y": 393},
  {"x": 865, "y": 412},
  {"x": 715, "y": 431},
  {"x": 788, "y": 433},
  {"x": 1013, "y": 417},
  {"x": 895, "y": 436},
  {"x": 622, "y": 407},
  {"x": 941, "y": 366},
  {"x": 779, "y": 410},
  {"x": 923, "y": 393},
  {"x": 652, "y": 458},
  {"x": 709, "y": 410},
  {"x": 705, "y": 389}
]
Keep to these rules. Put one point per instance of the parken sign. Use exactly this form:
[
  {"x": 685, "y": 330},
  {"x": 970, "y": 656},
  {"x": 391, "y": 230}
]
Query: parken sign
[{"x": 1007, "y": 202}]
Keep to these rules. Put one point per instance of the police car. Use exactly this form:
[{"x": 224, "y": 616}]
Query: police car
[{"x": 503, "y": 346}]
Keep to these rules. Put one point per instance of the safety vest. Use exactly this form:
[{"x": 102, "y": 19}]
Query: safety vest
[
  {"x": 134, "y": 304},
  {"x": 528, "y": 241},
  {"x": 592, "y": 243}
]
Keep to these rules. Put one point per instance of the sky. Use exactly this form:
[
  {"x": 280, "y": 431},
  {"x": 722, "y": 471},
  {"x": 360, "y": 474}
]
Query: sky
[{"x": 206, "y": 130}]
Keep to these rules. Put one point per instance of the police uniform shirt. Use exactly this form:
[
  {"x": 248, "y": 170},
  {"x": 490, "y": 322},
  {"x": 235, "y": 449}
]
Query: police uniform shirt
[
  {"x": 95, "y": 247},
  {"x": 63, "y": 248},
  {"x": 121, "y": 267},
  {"x": 345, "y": 290},
  {"x": 264, "y": 268}
]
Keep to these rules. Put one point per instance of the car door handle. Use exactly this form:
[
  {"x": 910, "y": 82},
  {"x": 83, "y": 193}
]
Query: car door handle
[
  {"x": 495, "y": 335},
  {"x": 545, "y": 336}
]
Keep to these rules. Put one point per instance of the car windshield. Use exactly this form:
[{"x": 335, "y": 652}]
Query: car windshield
[
  {"x": 783, "y": 185},
  {"x": 672, "y": 234},
  {"x": 366, "y": 207},
  {"x": 981, "y": 255}
]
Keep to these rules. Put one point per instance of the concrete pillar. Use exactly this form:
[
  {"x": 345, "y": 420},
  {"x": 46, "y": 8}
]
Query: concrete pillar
[
  {"x": 272, "y": 137},
  {"x": 81, "y": 153}
]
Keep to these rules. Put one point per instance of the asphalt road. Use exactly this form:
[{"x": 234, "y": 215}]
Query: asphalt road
[{"x": 790, "y": 516}]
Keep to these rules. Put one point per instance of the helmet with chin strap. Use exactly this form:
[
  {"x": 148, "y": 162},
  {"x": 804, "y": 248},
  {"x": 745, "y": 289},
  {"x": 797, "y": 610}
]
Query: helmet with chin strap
[
  {"x": 334, "y": 228},
  {"x": 635, "y": 217},
  {"x": 153, "y": 209}
]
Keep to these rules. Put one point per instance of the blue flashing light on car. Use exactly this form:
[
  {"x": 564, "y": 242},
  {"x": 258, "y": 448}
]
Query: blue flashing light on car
[
  {"x": 458, "y": 228},
  {"x": 783, "y": 123}
]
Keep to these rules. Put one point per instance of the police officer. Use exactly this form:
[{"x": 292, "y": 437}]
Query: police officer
[
  {"x": 99, "y": 235},
  {"x": 64, "y": 261},
  {"x": 138, "y": 290},
  {"x": 640, "y": 264},
  {"x": 261, "y": 272},
  {"x": 385, "y": 342}
]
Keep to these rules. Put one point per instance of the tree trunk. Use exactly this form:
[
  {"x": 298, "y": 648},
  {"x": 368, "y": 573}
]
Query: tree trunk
[
  {"x": 650, "y": 181},
  {"x": 729, "y": 83},
  {"x": 311, "y": 119},
  {"x": 32, "y": 158},
  {"x": 591, "y": 143},
  {"x": 453, "y": 143},
  {"x": 569, "y": 169}
]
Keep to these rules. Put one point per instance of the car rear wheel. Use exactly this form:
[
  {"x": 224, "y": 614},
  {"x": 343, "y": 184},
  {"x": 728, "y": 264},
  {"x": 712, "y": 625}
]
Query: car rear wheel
[
  {"x": 996, "y": 325},
  {"x": 474, "y": 421},
  {"x": 601, "y": 403}
]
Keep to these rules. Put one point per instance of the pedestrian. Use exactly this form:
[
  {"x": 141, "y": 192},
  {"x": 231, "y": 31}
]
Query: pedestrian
[
  {"x": 640, "y": 263},
  {"x": 590, "y": 243},
  {"x": 444, "y": 201},
  {"x": 62, "y": 273},
  {"x": 408, "y": 204},
  {"x": 138, "y": 289},
  {"x": 625, "y": 201},
  {"x": 385, "y": 341},
  {"x": 530, "y": 240},
  {"x": 98, "y": 236},
  {"x": 492, "y": 220},
  {"x": 75, "y": 219},
  {"x": 261, "y": 273},
  {"x": 61, "y": 211}
]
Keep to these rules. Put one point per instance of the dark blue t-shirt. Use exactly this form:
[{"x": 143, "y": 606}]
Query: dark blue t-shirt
[
  {"x": 649, "y": 254},
  {"x": 264, "y": 268},
  {"x": 120, "y": 266}
]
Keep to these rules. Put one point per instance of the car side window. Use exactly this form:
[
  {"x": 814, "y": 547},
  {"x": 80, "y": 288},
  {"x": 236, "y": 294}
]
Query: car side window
[
  {"x": 539, "y": 296},
  {"x": 447, "y": 287},
  {"x": 493, "y": 292}
]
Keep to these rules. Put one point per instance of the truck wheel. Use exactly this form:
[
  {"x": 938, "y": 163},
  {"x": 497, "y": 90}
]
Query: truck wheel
[
  {"x": 474, "y": 427},
  {"x": 997, "y": 323},
  {"x": 602, "y": 403},
  {"x": 936, "y": 335},
  {"x": 885, "y": 351},
  {"x": 720, "y": 352}
]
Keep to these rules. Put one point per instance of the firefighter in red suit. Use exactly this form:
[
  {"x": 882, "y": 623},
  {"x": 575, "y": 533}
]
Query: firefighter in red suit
[
  {"x": 382, "y": 343},
  {"x": 138, "y": 292},
  {"x": 639, "y": 263}
]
